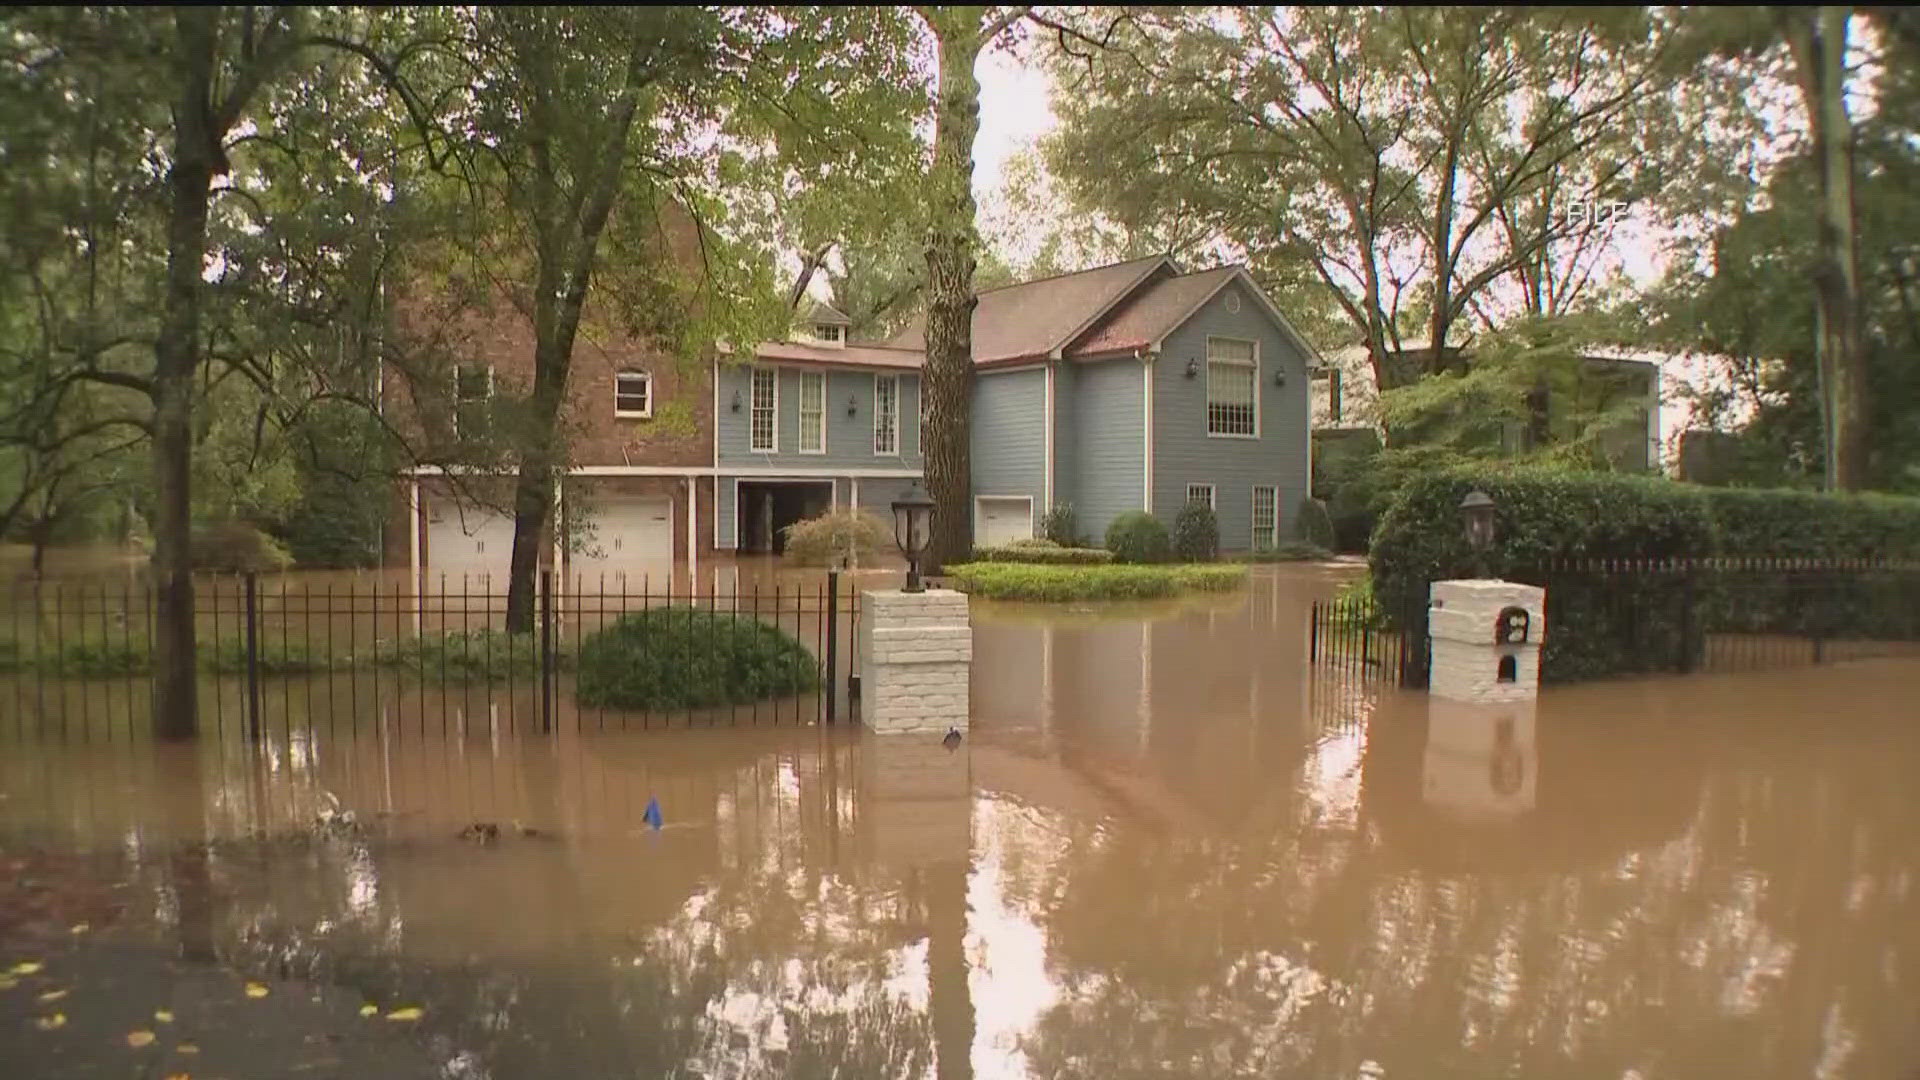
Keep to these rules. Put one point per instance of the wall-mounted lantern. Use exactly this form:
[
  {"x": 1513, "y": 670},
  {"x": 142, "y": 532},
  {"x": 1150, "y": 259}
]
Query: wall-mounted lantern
[
  {"x": 853, "y": 407},
  {"x": 913, "y": 531},
  {"x": 1476, "y": 515},
  {"x": 1279, "y": 376},
  {"x": 1193, "y": 368},
  {"x": 736, "y": 401}
]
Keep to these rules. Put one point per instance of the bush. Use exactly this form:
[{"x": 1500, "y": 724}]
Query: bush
[
  {"x": 276, "y": 658},
  {"x": 235, "y": 547},
  {"x": 1013, "y": 581},
  {"x": 482, "y": 655},
  {"x": 1291, "y": 551},
  {"x": 96, "y": 659},
  {"x": 686, "y": 658},
  {"x": 1057, "y": 525},
  {"x": 1057, "y": 556},
  {"x": 1196, "y": 534},
  {"x": 1811, "y": 525},
  {"x": 1312, "y": 525},
  {"x": 1138, "y": 537},
  {"x": 850, "y": 535},
  {"x": 1034, "y": 542},
  {"x": 337, "y": 524}
]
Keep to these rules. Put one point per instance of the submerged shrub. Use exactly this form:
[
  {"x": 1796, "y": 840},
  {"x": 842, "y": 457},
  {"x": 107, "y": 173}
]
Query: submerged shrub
[
  {"x": 851, "y": 535},
  {"x": 235, "y": 547},
  {"x": 1138, "y": 537},
  {"x": 482, "y": 655},
  {"x": 688, "y": 658}
]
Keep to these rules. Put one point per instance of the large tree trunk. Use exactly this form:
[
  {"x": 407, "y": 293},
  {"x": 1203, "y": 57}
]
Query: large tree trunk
[
  {"x": 539, "y": 459},
  {"x": 176, "y": 358},
  {"x": 1819, "y": 44},
  {"x": 947, "y": 378}
]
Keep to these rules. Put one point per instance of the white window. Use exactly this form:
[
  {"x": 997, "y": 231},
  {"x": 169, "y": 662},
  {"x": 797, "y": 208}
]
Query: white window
[
  {"x": 633, "y": 394},
  {"x": 1266, "y": 518},
  {"x": 829, "y": 333},
  {"x": 813, "y": 412},
  {"x": 1233, "y": 373},
  {"x": 472, "y": 387},
  {"x": 761, "y": 425},
  {"x": 886, "y": 414},
  {"x": 1201, "y": 493}
]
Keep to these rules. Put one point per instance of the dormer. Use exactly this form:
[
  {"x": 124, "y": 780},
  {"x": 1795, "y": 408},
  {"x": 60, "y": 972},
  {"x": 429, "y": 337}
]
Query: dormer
[{"x": 824, "y": 325}]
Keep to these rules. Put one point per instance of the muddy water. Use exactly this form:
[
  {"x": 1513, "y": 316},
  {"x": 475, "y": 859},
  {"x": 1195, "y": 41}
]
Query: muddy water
[{"x": 1167, "y": 849}]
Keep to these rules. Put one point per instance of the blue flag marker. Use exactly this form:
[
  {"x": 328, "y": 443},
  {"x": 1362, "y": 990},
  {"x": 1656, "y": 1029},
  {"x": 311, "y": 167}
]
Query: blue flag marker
[{"x": 652, "y": 814}]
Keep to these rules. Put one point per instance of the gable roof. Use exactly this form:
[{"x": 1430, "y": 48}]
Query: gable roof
[
  {"x": 819, "y": 312},
  {"x": 1033, "y": 319},
  {"x": 1154, "y": 312},
  {"x": 866, "y": 355}
]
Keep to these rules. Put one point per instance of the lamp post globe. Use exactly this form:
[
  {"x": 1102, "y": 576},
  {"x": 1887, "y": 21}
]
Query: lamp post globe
[
  {"x": 913, "y": 531},
  {"x": 1476, "y": 514}
]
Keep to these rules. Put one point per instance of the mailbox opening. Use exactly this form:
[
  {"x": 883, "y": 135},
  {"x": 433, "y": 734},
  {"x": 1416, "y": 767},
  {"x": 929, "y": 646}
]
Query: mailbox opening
[{"x": 1509, "y": 669}]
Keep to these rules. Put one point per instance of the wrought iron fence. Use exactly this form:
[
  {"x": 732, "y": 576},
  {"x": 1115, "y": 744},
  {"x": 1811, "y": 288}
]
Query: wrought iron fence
[
  {"x": 1642, "y": 616},
  {"x": 279, "y": 657}
]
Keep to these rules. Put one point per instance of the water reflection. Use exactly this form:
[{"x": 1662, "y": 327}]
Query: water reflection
[{"x": 1165, "y": 849}]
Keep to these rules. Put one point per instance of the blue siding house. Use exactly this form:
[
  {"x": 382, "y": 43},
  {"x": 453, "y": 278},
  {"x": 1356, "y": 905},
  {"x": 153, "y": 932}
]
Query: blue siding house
[{"x": 1137, "y": 387}]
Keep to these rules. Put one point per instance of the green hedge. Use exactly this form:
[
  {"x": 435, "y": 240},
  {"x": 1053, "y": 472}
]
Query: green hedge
[
  {"x": 688, "y": 658},
  {"x": 1605, "y": 624},
  {"x": 1058, "y": 556},
  {"x": 1011, "y": 581},
  {"x": 1138, "y": 537}
]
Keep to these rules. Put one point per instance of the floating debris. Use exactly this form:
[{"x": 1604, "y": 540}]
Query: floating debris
[
  {"x": 139, "y": 1038},
  {"x": 411, "y": 1012},
  {"x": 50, "y": 1023},
  {"x": 481, "y": 832},
  {"x": 256, "y": 990},
  {"x": 162, "y": 1016}
]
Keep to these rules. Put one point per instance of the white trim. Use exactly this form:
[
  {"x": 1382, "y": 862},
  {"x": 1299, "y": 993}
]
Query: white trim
[
  {"x": 978, "y": 499},
  {"x": 877, "y": 452},
  {"x": 772, "y": 471},
  {"x": 1311, "y": 354},
  {"x": 747, "y": 471},
  {"x": 752, "y": 372},
  {"x": 413, "y": 531},
  {"x": 1146, "y": 490},
  {"x": 457, "y": 400},
  {"x": 1048, "y": 485},
  {"x": 693, "y": 535},
  {"x": 1208, "y": 360},
  {"x": 1010, "y": 369},
  {"x": 1213, "y": 494},
  {"x": 714, "y": 381},
  {"x": 853, "y": 494},
  {"x": 632, "y": 414},
  {"x": 800, "y": 414}
]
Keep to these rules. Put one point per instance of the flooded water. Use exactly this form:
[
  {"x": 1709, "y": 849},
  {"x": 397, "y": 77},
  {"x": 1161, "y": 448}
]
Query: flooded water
[{"x": 1167, "y": 848}]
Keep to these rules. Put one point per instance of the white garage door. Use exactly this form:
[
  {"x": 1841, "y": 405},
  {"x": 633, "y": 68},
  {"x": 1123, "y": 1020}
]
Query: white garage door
[
  {"x": 630, "y": 536},
  {"x": 475, "y": 543},
  {"x": 1001, "y": 521}
]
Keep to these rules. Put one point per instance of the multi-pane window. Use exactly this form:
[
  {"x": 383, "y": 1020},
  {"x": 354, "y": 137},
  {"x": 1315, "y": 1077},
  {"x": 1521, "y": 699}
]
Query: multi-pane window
[
  {"x": 829, "y": 333},
  {"x": 1266, "y": 518},
  {"x": 472, "y": 387},
  {"x": 1232, "y": 373},
  {"x": 761, "y": 424},
  {"x": 633, "y": 394},
  {"x": 1200, "y": 493},
  {"x": 813, "y": 412},
  {"x": 886, "y": 414}
]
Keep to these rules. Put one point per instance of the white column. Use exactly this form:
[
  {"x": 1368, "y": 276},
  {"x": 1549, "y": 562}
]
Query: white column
[
  {"x": 1473, "y": 661},
  {"x": 693, "y": 533},
  {"x": 916, "y": 656}
]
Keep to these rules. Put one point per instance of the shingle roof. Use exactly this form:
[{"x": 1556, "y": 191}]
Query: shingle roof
[
  {"x": 845, "y": 356},
  {"x": 1031, "y": 319},
  {"x": 819, "y": 312},
  {"x": 1152, "y": 313}
]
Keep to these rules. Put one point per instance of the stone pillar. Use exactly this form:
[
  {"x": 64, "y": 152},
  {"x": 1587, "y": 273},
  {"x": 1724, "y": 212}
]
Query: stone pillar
[
  {"x": 916, "y": 652},
  {"x": 1486, "y": 640}
]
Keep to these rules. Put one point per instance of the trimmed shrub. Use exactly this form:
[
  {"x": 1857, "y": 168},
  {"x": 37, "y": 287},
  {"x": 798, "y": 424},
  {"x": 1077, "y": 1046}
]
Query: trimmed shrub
[
  {"x": 235, "y": 547},
  {"x": 1312, "y": 525},
  {"x": 1291, "y": 551},
  {"x": 851, "y": 535},
  {"x": 687, "y": 658},
  {"x": 1196, "y": 534},
  {"x": 1013, "y": 581},
  {"x": 1057, "y": 525},
  {"x": 1812, "y": 525},
  {"x": 1138, "y": 537},
  {"x": 1034, "y": 542},
  {"x": 1057, "y": 556}
]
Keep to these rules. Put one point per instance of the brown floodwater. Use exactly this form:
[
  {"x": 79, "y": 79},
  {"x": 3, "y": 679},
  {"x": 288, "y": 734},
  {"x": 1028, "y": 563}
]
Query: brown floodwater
[{"x": 1168, "y": 847}]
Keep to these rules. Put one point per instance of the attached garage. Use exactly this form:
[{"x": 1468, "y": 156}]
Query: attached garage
[
  {"x": 631, "y": 535},
  {"x": 1002, "y": 519},
  {"x": 470, "y": 541}
]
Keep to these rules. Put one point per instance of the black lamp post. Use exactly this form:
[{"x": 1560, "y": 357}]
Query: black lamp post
[
  {"x": 1476, "y": 511},
  {"x": 913, "y": 531}
]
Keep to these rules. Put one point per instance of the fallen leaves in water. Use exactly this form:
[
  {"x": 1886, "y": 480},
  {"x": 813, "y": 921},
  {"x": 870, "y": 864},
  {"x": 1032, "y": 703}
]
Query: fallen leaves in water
[
  {"x": 162, "y": 1016},
  {"x": 50, "y": 1023},
  {"x": 187, "y": 1048},
  {"x": 8, "y": 982},
  {"x": 139, "y": 1038},
  {"x": 255, "y": 990},
  {"x": 79, "y": 928},
  {"x": 52, "y": 996},
  {"x": 411, "y": 1012},
  {"x": 369, "y": 1009},
  {"x": 28, "y": 967}
]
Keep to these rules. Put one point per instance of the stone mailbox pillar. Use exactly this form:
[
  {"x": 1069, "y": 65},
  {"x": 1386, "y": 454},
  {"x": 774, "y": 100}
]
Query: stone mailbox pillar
[
  {"x": 1486, "y": 640},
  {"x": 916, "y": 652}
]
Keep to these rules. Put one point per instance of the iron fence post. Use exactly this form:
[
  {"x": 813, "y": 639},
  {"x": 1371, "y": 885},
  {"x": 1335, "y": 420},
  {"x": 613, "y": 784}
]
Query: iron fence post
[
  {"x": 253, "y": 659},
  {"x": 546, "y": 652},
  {"x": 1313, "y": 634},
  {"x": 833, "y": 640},
  {"x": 1686, "y": 622}
]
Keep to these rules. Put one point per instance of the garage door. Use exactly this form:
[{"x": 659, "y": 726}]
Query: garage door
[
  {"x": 631, "y": 536},
  {"x": 1003, "y": 521},
  {"x": 475, "y": 543}
]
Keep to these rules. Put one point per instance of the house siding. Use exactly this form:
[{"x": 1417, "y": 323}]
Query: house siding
[
  {"x": 849, "y": 438},
  {"x": 1185, "y": 454},
  {"x": 1108, "y": 447},
  {"x": 1009, "y": 449}
]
